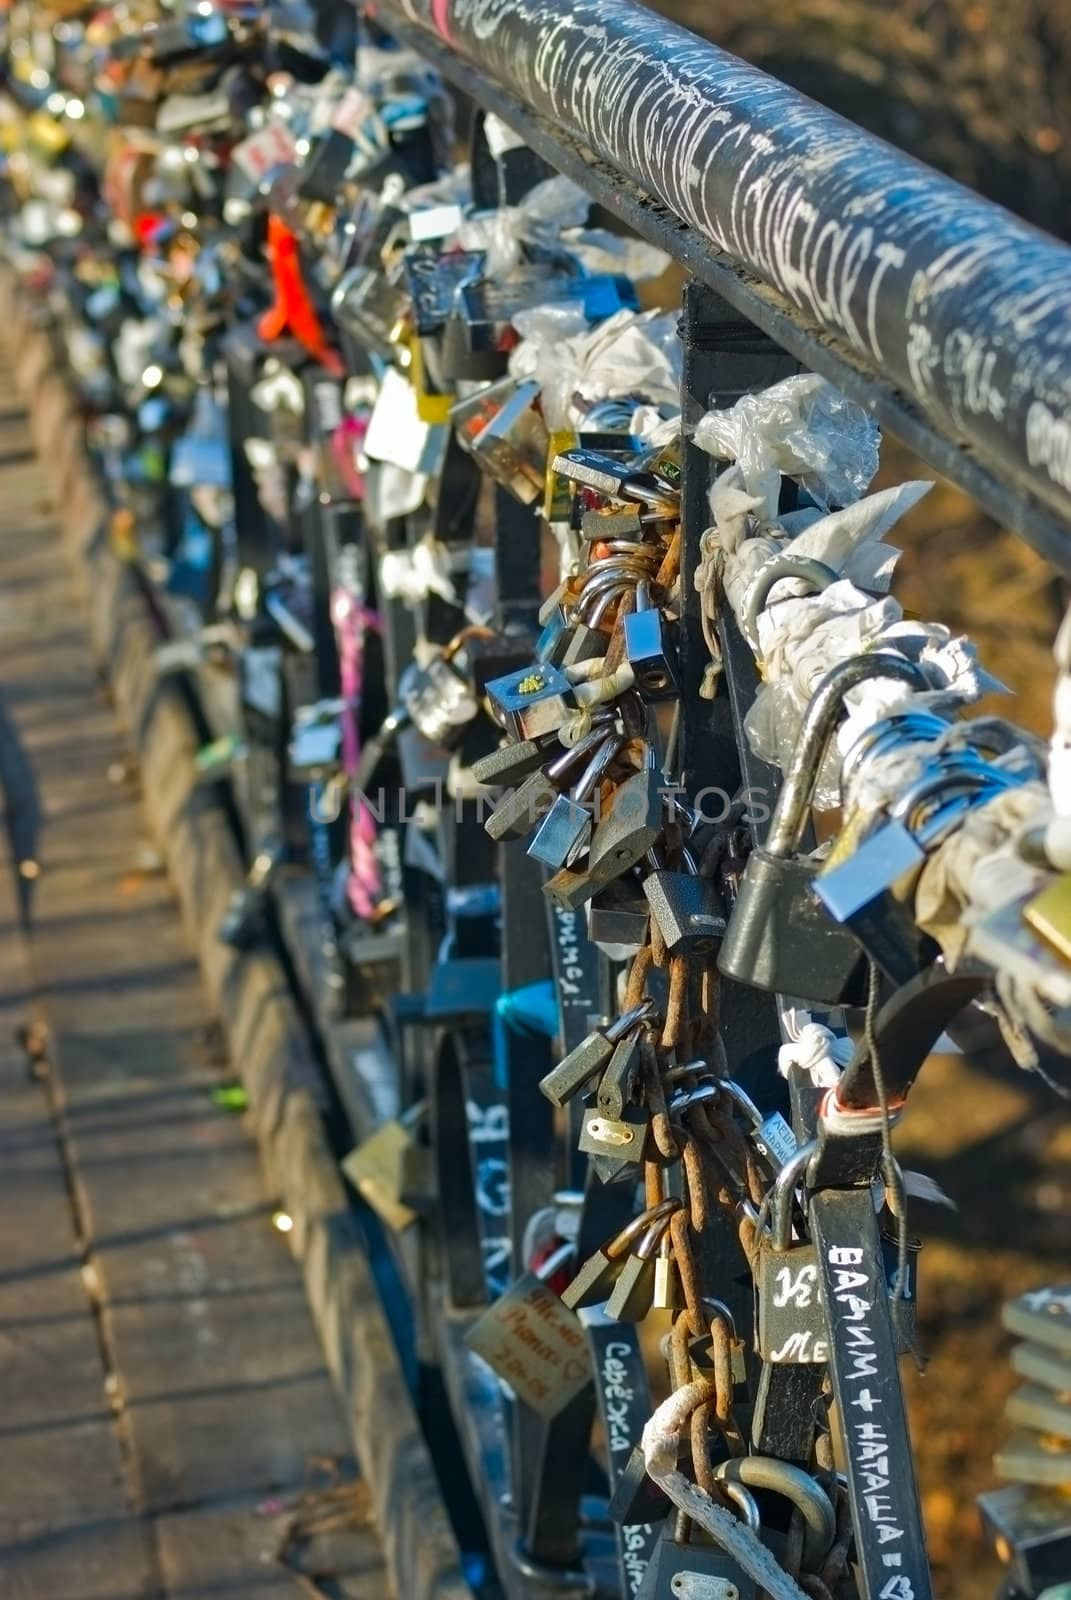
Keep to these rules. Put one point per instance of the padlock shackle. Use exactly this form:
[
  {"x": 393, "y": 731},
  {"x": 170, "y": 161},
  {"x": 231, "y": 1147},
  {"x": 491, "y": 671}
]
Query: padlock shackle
[
  {"x": 629, "y": 1020},
  {"x": 685, "y": 1069},
  {"x": 591, "y": 741},
  {"x": 805, "y": 1493},
  {"x": 699, "y": 1095},
  {"x": 888, "y": 734},
  {"x": 815, "y": 573},
  {"x": 819, "y": 722},
  {"x": 557, "y": 1259},
  {"x": 779, "y": 1199},
  {"x": 746, "y": 1504},
  {"x": 997, "y": 738},
  {"x": 718, "y": 1308},
  {"x": 655, "y": 1217},
  {"x": 961, "y": 774},
  {"x": 934, "y": 828},
  {"x": 606, "y": 573},
  {"x": 742, "y": 1101},
  {"x": 606, "y": 599},
  {"x": 604, "y": 757}
]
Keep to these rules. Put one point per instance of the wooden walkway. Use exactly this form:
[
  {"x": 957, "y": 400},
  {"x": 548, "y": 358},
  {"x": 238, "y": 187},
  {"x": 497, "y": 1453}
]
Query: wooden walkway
[{"x": 167, "y": 1427}]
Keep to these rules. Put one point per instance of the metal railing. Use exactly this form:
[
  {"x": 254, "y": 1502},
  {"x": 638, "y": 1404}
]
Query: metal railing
[{"x": 947, "y": 317}]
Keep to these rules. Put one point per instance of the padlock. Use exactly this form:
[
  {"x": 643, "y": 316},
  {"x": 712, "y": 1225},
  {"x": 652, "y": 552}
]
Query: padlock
[
  {"x": 1038, "y": 1452},
  {"x": 368, "y": 306},
  {"x": 664, "y": 462},
  {"x": 594, "y": 1282},
  {"x": 432, "y": 279},
  {"x": 324, "y": 168},
  {"x": 489, "y": 305},
  {"x": 511, "y": 762},
  {"x": 668, "y": 1291},
  {"x": 632, "y": 824},
  {"x": 582, "y": 642},
  {"x": 243, "y": 920},
  {"x": 570, "y": 888},
  {"x": 632, "y": 1295},
  {"x": 619, "y": 1077},
  {"x": 591, "y": 1056},
  {"x": 392, "y": 1172},
  {"x": 790, "y": 1322},
  {"x": 563, "y": 833},
  {"x": 437, "y": 698},
  {"x": 814, "y": 573},
  {"x": 620, "y": 1141},
  {"x": 434, "y": 397},
  {"x": 610, "y": 476},
  {"x": 771, "y": 1135},
  {"x": 618, "y": 916},
  {"x": 531, "y": 701},
  {"x": 526, "y": 807},
  {"x": 695, "y": 1572},
  {"x": 624, "y": 522},
  {"x": 857, "y": 891},
  {"x": 1031, "y": 1528},
  {"x": 506, "y": 435},
  {"x": 566, "y": 828},
  {"x": 522, "y": 809},
  {"x": 779, "y": 937},
  {"x": 565, "y": 643},
  {"x": 649, "y": 650},
  {"x": 550, "y": 646},
  {"x": 533, "y": 1341},
  {"x": 687, "y": 909}
]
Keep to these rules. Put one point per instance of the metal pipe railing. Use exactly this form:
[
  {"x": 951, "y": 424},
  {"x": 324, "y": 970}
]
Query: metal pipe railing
[{"x": 965, "y": 308}]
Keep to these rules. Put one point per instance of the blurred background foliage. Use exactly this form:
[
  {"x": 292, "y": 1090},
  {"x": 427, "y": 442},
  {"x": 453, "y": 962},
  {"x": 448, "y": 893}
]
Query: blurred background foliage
[{"x": 982, "y": 91}]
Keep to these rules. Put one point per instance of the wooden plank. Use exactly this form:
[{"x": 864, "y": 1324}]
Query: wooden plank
[{"x": 206, "y": 1347}]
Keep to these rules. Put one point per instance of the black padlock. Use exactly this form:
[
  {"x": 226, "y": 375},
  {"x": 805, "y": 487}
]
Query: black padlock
[
  {"x": 243, "y": 921},
  {"x": 687, "y": 909},
  {"x": 691, "y": 1571},
  {"x": 325, "y": 167},
  {"x": 632, "y": 824},
  {"x": 637, "y": 1497},
  {"x": 618, "y": 915},
  {"x": 779, "y": 937}
]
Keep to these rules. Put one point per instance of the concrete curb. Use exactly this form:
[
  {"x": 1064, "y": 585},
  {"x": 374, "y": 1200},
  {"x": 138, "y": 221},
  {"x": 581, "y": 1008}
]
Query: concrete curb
[{"x": 249, "y": 991}]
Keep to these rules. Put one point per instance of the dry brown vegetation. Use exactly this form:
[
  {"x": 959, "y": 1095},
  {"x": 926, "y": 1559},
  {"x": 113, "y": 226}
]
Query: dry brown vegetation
[{"x": 983, "y": 91}]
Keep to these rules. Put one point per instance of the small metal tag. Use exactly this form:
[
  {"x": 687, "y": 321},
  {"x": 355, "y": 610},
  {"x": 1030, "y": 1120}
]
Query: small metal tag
[
  {"x": 535, "y": 1344},
  {"x": 702, "y": 1586},
  {"x": 774, "y": 1138}
]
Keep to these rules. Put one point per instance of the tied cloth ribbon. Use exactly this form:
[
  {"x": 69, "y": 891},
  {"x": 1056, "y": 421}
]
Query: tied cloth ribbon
[{"x": 815, "y": 1049}]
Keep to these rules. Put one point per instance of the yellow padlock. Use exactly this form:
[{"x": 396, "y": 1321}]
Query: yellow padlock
[{"x": 433, "y": 405}]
